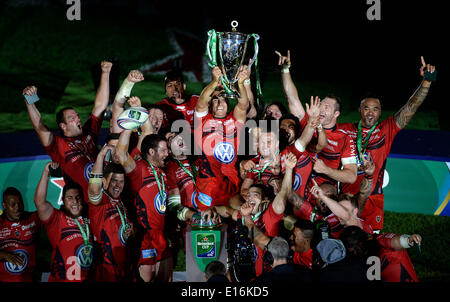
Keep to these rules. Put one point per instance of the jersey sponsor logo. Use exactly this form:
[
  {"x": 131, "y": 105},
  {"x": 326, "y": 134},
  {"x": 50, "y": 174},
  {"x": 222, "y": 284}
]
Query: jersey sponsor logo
[
  {"x": 17, "y": 269},
  {"x": 87, "y": 170},
  {"x": 224, "y": 152},
  {"x": 85, "y": 255},
  {"x": 204, "y": 199},
  {"x": 297, "y": 181},
  {"x": 160, "y": 204},
  {"x": 149, "y": 254}
]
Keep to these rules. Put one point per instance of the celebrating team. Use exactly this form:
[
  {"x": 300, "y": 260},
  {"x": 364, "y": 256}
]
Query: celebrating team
[{"x": 123, "y": 203}]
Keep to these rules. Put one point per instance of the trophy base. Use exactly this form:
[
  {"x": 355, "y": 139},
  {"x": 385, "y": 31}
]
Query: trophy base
[{"x": 233, "y": 95}]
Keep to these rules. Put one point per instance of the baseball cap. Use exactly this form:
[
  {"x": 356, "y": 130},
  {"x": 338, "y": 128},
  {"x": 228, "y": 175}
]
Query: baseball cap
[{"x": 331, "y": 250}]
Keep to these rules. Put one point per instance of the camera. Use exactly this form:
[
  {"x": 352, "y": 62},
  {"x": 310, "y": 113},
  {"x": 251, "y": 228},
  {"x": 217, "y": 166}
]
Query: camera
[{"x": 241, "y": 253}]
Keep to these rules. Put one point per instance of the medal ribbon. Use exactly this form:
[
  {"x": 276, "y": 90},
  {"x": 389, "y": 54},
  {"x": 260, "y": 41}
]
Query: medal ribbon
[
  {"x": 260, "y": 172},
  {"x": 192, "y": 175},
  {"x": 84, "y": 233},
  {"x": 359, "y": 146},
  {"x": 122, "y": 216},
  {"x": 161, "y": 186}
]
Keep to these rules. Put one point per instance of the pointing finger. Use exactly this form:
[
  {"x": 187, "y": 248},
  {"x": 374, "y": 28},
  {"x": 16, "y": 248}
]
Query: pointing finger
[{"x": 423, "y": 61}]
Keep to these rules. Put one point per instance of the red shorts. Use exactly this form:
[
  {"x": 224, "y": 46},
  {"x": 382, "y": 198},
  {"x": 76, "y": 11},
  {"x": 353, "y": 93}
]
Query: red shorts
[
  {"x": 153, "y": 248},
  {"x": 373, "y": 211}
]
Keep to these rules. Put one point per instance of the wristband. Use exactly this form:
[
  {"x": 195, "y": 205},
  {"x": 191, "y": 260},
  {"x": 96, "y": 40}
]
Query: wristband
[
  {"x": 247, "y": 82},
  {"x": 368, "y": 176},
  {"x": 404, "y": 241},
  {"x": 430, "y": 76},
  {"x": 96, "y": 198},
  {"x": 97, "y": 181},
  {"x": 181, "y": 213},
  {"x": 285, "y": 69},
  {"x": 95, "y": 175},
  {"x": 320, "y": 127}
]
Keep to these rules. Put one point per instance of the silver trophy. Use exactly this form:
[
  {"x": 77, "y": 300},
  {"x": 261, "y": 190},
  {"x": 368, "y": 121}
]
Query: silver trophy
[{"x": 232, "y": 48}]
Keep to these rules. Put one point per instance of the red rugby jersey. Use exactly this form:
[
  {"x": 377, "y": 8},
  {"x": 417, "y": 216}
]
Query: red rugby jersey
[
  {"x": 302, "y": 171},
  {"x": 150, "y": 206},
  {"x": 109, "y": 232},
  {"x": 261, "y": 177},
  {"x": 68, "y": 245},
  {"x": 396, "y": 266},
  {"x": 187, "y": 109},
  {"x": 340, "y": 151},
  {"x": 19, "y": 238},
  {"x": 178, "y": 178},
  {"x": 379, "y": 147},
  {"x": 76, "y": 155}
]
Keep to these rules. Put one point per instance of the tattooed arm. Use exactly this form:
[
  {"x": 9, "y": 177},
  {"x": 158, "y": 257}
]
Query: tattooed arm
[
  {"x": 365, "y": 187},
  {"x": 405, "y": 114},
  {"x": 296, "y": 201}
]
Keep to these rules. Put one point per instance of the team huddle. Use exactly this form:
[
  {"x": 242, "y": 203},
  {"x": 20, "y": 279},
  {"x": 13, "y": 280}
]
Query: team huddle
[{"x": 284, "y": 174}]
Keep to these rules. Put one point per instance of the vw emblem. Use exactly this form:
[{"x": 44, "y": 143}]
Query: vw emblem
[
  {"x": 224, "y": 152},
  {"x": 297, "y": 182},
  {"x": 17, "y": 269},
  {"x": 84, "y": 255}
]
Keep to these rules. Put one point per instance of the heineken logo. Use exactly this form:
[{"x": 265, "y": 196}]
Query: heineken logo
[
  {"x": 17, "y": 269},
  {"x": 206, "y": 245}
]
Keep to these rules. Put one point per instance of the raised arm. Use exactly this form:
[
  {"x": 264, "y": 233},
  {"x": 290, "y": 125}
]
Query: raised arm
[
  {"x": 43, "y": 207},
  {"x": 279, "y": 203},
  {"x": 405, "y": 114},
  {"x": 252, "y": 112},
  {"x": 134, "y": 76},
  {"x": 295, "y": 105},
  {"x": 313, "y": 124},
  {"x": 240, "y": 110},
  {"x": 146, "y": 127},
  {"x": 44, "y": 134},
  {"x": 122, "y": 154},
  {"x": 95, "y": 187},
  {"x": 205, "y": 96},
  {"x": 102, "y": 96}
]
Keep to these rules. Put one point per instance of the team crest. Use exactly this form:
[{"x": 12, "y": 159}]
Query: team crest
[
  {"x": 88, "y": 170},
  {"x": 224, "y": 152},
  {"x": 17, "y": 269},
  {"x": 85, "y": 255},
  {"x": 297, "y": 182},
  {"x": 160, "y": 205}
]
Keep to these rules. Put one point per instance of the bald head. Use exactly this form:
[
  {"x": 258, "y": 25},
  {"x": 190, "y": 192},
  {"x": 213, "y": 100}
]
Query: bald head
[{"x": 370, "y": 110}]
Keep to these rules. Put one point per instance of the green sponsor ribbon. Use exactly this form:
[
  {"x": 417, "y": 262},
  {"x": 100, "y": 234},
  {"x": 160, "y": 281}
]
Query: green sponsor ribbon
[{"x": 360, "y": 148}]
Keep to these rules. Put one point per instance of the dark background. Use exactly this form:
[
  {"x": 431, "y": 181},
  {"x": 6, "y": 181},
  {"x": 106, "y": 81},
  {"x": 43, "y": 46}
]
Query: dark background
[{"x": 329, "y": 40}]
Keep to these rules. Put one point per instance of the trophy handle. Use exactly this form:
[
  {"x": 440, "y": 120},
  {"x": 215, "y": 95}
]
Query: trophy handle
[
  {"x": 256, "y": 37},
  {"x": 211, "y": 48}
]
